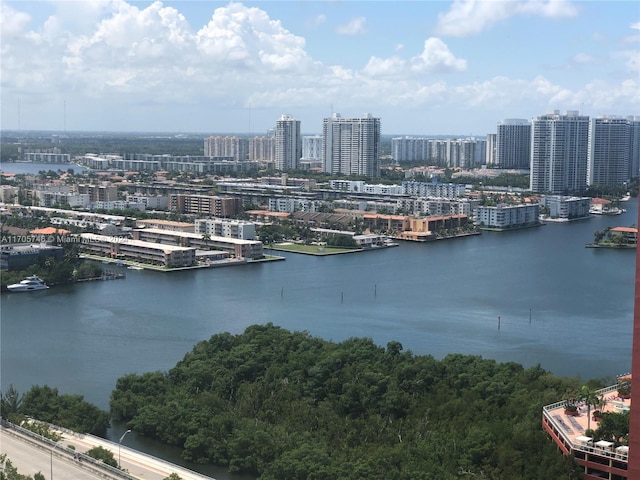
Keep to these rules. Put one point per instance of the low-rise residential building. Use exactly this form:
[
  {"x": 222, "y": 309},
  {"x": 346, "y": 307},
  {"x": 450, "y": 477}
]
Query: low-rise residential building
[
  {"x": 99, "y": 193},
  {"x": 116, "y": 205},
  {"x": 18, "y": 256},
  {"x": 358, "y": 186},
  {"x": 223, "y": 227},
  {"x": 205, "y": 205},
  {"x": 166, "y": 225},
  {"x": 504, "y": 216},
  {"x": 437, "y": 223},
  {"x": 322, "y": 220},
  {"x": 392, "y": 224},
  {"x": 117, "y": 248},
  {"x": 566, "y": 207},
  {"x": 414, "y": 228},
  {"x": 250, "y": 249},
  {"x": 47, "y": 157},
  {"x": 52, "y": 199},
  {"x": 350, "y": 186},
  {"x": 8, "y": 193},
  {"x": 442, "y": 206},
  {"x": 623, "y": 235},
  {"x": 293, "y": 204},
  {"x": 433, "y": 189},
  {"x": 267, "y": 216},
  {"x": 156, "y": 202},
  {"x": 381, "y": 189}
]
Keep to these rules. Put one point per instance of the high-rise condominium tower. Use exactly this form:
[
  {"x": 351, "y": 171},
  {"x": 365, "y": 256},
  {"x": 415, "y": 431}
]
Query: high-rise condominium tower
[
  {"x": 288, "y": 143},
  {"x": 351, "y": 146},
  {"x": 226, "y": 146},
  {"x": 634, "y": 148},
  {"x": 513, "y": 144},
  {"x": 410, "y": 149},
  {"x": 559, "y": 152},
  {"x": 490, "y": 156},
  {"x": 608, "y": 154}
]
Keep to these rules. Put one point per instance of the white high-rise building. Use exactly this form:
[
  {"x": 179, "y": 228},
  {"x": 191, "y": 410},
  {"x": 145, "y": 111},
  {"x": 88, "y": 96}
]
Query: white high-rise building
[
  {"x": 559, "y": 152},
  {"x": 262, "y": 148},
  {"x": 226, "y": 146},
  {"x": 490, "y": 154},
  {"x": 513, "y": 144},
  {"x": 608, "y": 152},
  {"x": 312, "y": 147},
  {"x": 288, "y": 143},
  {"x": 410, "y": 149},
  {"x": 311, "y": 152},
  {"x": 351, "y": 146}
]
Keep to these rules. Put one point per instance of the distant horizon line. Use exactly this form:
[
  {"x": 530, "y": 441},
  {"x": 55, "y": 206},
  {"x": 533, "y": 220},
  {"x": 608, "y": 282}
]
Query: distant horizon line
[{"x": 14, "y": 131}]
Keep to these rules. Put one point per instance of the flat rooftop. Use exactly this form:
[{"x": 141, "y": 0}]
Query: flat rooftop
[{"x": 574, "y": 427}]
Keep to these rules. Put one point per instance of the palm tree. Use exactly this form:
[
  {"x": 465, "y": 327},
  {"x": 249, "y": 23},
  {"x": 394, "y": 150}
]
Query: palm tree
[
  {"x": 591, "y": 398},
  {"x": 206, "y": 237}
]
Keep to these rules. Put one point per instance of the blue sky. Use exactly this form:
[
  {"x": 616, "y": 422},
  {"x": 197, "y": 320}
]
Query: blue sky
[{"x": 423, "y": 67}]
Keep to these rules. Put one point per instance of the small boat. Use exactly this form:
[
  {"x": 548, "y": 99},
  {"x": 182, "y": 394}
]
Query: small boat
[{"x": 29, "y": 284}]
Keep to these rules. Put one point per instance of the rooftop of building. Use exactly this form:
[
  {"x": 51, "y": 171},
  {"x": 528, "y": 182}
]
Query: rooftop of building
[
  {"x": 23, "y": 248},
  {"x": 169, "y": 223},
  {"x": 92, "y": 237},
  {"x": 197, "y": 236},
  {"x": 268, "y": 213},
  {"x": 624, "y": 229},
  {"x": 600, "y": 201},
  {"x": 574, "y": 426},
  {"x": 49, "y": 231}
]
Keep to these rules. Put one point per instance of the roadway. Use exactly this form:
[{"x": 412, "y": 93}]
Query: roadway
[
  {"x": 32, "y": 455},
  {"x": 30, "y": 459}
]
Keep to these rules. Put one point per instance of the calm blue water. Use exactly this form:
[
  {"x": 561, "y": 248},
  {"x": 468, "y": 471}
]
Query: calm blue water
[
  {"x": 35, "y": 168},
  {"x": 435, "y": 299}
]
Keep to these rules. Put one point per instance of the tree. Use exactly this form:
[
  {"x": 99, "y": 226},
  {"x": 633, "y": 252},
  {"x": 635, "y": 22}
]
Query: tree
[
  {"x": 341, "y": 240},
  {"x": 10, "y": 403},
  {"x": 614, "y": 427},
  {"x": 173, "y": 476},
  {"x": 70, "y": 411},
  {"x": 286, "y": 405},
  {"x": 101, "y": 453}
]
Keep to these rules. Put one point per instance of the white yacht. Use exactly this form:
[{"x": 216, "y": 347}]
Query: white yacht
[{"x": 28, "y": 284}]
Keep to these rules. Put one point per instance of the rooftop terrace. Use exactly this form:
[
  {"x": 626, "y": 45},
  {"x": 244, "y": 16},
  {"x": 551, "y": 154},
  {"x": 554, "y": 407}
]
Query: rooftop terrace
[{"x": 569, "y": 430}]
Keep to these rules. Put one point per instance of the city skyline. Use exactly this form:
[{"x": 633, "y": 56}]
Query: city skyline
[{"x": 424, "y": 68}]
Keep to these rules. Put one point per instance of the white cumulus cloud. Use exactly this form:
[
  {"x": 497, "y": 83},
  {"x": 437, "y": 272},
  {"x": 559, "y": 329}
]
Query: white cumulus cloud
[
  {"x": 12, "y": 22},
  {"x": 469, "y": 17},
  {"x": 135, "y": 63},
  {"x": 436, "y": 56}
]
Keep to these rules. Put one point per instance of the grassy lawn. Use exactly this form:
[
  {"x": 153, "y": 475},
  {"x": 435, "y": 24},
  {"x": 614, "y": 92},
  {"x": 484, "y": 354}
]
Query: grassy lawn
[{"x": 311, "y": 249}]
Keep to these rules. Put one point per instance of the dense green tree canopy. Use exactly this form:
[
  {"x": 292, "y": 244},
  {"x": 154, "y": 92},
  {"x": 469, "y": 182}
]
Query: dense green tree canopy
[
  {"x": 288, "y": 405},
  {"x": 45, "y": 404}
]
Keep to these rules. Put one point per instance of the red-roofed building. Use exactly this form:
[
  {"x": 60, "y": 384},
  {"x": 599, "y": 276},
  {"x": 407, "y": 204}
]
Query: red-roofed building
[{"x": 49, "y": 231}]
